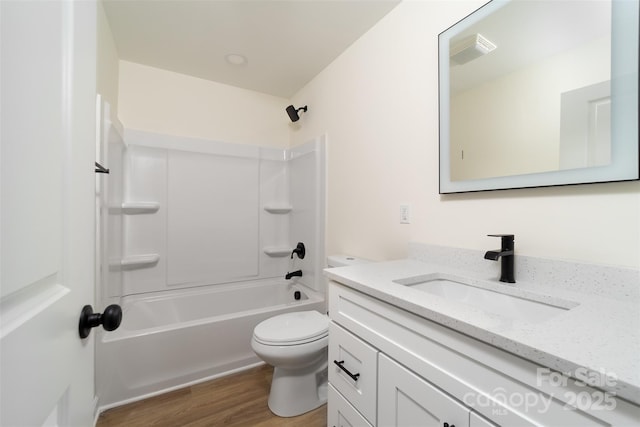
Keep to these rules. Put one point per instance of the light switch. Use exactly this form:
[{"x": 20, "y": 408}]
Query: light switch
[{"x": 404, "y": 214}]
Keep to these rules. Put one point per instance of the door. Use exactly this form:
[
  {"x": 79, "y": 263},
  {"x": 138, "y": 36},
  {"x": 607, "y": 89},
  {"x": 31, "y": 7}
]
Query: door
[
  {"x": 406, "y": 400},
  {"x": 47, "y": 184}
]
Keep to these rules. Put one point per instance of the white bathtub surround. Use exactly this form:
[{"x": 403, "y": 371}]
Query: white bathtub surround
[
  {"x": 110, "y": 151},
  {"x": 209, "y": 212},
  {"x": 177, "y": 338},
  {"x": 207, "y": 229},
  {"x": 307, "y": 197},
  {"x": 599, "y": 334}
]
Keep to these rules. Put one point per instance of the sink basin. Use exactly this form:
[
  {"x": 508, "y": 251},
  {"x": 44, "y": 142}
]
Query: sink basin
[{"x": 510, "y": 303}]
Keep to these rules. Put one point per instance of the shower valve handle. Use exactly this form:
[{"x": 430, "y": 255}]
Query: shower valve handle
[
  {"x": 300, "y": 250},
  {"x": 110, "y": 319}
]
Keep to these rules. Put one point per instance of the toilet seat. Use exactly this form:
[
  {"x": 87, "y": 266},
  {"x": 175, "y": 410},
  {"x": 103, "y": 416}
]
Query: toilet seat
[{"x": 292, "y": 328}]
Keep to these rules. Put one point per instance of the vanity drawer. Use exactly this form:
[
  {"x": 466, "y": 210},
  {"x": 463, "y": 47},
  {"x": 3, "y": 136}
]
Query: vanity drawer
[
  {"x": 340, "y": 413},
  {"x": 353, "y": 367}
]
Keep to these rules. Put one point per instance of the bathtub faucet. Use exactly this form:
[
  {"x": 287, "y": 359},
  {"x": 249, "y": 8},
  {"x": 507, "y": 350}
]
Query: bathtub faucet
[{"x": 297, "y": 273}]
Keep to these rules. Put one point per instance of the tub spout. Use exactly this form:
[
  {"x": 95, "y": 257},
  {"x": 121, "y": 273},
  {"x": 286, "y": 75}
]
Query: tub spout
[{"x": 297, "y": 273}]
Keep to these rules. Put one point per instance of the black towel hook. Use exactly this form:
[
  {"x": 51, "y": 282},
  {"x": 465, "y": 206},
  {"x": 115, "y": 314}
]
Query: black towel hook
[{"x": 101, "y": 169}]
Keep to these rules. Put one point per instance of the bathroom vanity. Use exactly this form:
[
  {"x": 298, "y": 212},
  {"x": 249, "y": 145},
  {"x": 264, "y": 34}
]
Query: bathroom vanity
[{"x": 403, "y": 356}]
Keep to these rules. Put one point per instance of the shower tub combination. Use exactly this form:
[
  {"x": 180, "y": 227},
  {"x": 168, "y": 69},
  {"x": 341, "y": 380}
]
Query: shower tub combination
[
  {"x": 188, "y": 336},
  {"x": 199, "y": 242}
]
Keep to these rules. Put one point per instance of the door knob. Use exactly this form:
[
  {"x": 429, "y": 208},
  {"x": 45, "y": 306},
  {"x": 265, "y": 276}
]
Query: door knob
[{"x": 110, "y": 319}]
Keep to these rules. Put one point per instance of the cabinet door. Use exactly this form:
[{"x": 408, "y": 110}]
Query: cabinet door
[
  {"x": 476, "y": 420},
  {"x": 340, "y": 413},
  {"x": 406, "y": 400}
]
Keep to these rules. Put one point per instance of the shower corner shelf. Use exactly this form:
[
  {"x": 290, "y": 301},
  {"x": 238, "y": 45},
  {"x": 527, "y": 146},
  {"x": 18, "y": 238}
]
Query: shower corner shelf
[
  {"x": 140, "y": 261},
  {"x": 278, "y": 209},
  {"x": 134, "y": 208},
  {"x": 277, "y": 251}
]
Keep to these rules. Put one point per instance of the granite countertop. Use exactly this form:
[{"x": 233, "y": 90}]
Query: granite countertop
[{"x": 596, "y": 334}]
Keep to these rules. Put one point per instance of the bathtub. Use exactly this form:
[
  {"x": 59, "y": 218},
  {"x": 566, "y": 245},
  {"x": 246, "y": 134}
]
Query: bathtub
[{"x": 178, "y": 338}]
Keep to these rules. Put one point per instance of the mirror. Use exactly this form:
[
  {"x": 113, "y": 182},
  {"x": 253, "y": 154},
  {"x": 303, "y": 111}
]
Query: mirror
[{"x": 539, "y": 93}]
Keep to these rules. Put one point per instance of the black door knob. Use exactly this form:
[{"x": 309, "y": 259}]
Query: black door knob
[{"x": 110, "y": 319}]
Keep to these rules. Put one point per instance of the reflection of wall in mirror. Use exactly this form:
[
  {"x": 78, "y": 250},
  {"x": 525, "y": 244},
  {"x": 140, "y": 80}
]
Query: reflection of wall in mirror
[{"x": 511, "y": 125}]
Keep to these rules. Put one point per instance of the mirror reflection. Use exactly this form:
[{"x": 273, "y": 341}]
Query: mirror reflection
[
  {"x": 538, "y": 101},
  {"x": 526, "y": 89}
]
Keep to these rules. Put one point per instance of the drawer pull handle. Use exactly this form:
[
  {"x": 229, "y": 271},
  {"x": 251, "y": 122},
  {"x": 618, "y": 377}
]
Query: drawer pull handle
[{"x": 352, "y": 376}]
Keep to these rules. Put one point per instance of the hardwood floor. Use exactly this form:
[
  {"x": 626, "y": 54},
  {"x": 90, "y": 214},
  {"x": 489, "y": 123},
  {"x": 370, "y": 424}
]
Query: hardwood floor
[{"x": 238, "y": 400}]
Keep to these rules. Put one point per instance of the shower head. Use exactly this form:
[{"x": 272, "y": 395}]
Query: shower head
[{"x": 293, "y": 112}]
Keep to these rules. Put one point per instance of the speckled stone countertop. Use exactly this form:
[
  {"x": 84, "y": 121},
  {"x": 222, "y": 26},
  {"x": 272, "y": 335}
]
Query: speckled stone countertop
[{"x": 598, "y": 333}]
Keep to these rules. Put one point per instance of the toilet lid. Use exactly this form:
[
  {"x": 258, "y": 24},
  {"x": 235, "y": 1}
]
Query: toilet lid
[{"x": 300, "y": 326}]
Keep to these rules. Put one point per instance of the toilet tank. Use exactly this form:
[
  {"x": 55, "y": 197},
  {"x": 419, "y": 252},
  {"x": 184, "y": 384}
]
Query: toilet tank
[{"x": 344, "y": 260}]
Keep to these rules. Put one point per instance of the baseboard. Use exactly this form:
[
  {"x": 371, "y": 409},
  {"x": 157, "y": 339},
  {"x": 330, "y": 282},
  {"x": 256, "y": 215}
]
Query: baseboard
[{"x": 101, "y": 409}]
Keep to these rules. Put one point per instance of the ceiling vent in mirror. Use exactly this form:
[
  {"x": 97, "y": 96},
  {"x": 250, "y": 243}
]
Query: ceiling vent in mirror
[{"x": 470, "y": 48}]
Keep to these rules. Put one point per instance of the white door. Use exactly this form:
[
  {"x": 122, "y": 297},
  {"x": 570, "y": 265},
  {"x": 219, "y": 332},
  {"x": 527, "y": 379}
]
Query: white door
[
  {"x": 406, "y": 400},
  {"x": 48, "y": 60}
]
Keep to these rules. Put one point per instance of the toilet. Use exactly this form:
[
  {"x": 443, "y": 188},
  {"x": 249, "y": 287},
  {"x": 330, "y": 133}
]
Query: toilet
[{"x": 295, "y": 344}]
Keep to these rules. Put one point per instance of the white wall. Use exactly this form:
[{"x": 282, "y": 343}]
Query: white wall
[
  {"x": 107, "y": 62},
  {"x": 155, "y": 100},
  {"x": 378, "y": 104}
]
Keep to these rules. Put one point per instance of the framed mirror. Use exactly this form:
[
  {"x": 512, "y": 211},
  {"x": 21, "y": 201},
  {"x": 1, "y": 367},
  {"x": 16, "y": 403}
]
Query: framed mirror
[{"x": 539, "y": 93}]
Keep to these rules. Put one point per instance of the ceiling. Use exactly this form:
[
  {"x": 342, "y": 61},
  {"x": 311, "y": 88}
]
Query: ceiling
[{"x": 286, "y": 42}]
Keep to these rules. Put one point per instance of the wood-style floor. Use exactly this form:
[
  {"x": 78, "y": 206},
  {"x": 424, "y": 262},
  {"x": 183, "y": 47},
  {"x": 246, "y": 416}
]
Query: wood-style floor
[{"x": 238, "y": 400}]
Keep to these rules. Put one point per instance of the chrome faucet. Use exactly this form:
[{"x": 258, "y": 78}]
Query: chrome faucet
[
  {"x": 297, "y": 273},
  {"x": 507, "y": 253}
]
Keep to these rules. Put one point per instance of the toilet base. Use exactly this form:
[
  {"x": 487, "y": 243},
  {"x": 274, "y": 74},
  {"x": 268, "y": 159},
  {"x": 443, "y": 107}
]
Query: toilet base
[{"x": 297, "y": 391}]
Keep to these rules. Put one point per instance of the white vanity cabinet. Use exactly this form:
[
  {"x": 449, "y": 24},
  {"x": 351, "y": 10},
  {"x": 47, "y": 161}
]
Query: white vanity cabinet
[
  {"x": 353, "y": 366},
  {"x": 405, "y": 399},
  {"x": 411, "y": 371},
  {"x": 476, "y": 420},
  {"x": 341, "y": 413}
]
